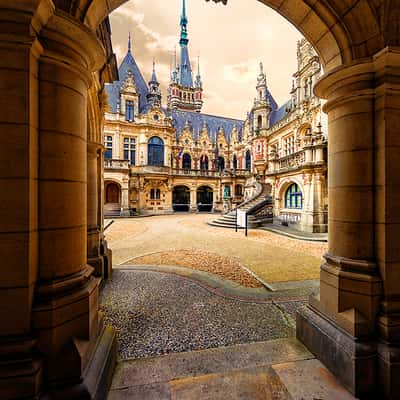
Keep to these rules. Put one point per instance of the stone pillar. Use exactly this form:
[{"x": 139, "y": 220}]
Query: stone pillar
[
  {"x": 105, "y": 252},
  {"x": 125, "y": 200},
  {"x": 95, "y": 258},
  {"x": 21, "y": 366},
  {"x": 360, "y": 282},
  {"x": 307, "y": 217},
  {"x": 65, "y": 314},
  {"x": 193, "y": 199}
]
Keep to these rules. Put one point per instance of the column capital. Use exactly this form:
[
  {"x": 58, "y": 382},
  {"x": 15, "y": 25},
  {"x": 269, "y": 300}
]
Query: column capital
[{"x": 70, "y": 43}]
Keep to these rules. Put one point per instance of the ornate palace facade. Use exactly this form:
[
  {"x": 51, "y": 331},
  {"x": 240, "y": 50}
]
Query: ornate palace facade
[{"x": 176, "y": 158}]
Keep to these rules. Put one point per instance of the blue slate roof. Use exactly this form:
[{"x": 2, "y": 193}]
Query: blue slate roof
[
  {"x": 197, "y": 120},
  {"x": 113, "y": 89},
  {"x": 280, "y": 113}
]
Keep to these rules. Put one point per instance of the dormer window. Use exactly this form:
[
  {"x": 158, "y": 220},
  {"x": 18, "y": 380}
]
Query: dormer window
[{"x": 129, "y": 110}]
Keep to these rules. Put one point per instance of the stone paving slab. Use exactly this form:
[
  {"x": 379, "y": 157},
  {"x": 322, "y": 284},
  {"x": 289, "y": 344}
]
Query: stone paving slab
[
  {"x": 310, "y": 380},
  {"x": 203, "y": 362},
  {"x": 274, "y": 370}
]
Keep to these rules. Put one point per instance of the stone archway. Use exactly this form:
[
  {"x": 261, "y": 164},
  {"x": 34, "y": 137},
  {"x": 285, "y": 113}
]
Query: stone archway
[{"x": 52, "y": 295}]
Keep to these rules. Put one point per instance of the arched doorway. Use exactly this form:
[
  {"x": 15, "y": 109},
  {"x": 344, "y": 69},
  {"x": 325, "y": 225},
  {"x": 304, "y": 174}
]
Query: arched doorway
[
  {"x": 156, "y": 152},
  {"x": 181, "y": 198},
  {"x": 186, "y": 161},
  {"x": 112, "y": 193},
  {"x": 248, "y": 160},
  {"x": 205, "y": 198}
]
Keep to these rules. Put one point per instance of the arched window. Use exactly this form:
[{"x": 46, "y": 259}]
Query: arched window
[
  {"x": 156, "y": 152},
  {"x": 248, "y": 160},
  {"x": 238, "y": 190},
  {"x": 204, "y": 163},
  {"x": 158, "y": 194},
  {"x": 235, "y": 162},
  {"x": 186, "y": 161},
  {"x": 220, "y": 164},
  {"x": 152, "y": 195},
  {"x": 294, "y": 197},
  {"x": 259, "y": 122}
]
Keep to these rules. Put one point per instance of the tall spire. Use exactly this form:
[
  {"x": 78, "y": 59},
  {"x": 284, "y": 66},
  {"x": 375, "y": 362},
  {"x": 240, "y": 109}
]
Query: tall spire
[
  {"x": 153, "y": 75},
  {"x": 184, "y": 21},
  {"x": 198, "y": 82},
  {"x": 129, "y": 42},
  {"x": 185, "y": 69}
]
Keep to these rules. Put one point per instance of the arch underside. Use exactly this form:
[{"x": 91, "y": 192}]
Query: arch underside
[{"x": 341, "y": 32}]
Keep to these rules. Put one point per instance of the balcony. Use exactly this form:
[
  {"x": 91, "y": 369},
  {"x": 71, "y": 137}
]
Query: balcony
[
  {"x": 156, "y": 170},
  {"x": 292, "y": 161},
  {"x": 116, "y": 164}
]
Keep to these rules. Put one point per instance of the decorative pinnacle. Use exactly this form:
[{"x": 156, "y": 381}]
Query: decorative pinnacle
[{"x": 129, "y": 42}]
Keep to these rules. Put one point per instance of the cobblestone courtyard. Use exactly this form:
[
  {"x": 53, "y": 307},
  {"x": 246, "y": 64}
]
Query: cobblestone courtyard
[{"x": 208, "y": 299}]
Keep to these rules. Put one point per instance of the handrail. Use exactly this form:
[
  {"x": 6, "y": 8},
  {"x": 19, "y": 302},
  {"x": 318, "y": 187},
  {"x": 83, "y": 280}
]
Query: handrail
[{"x": 257, "y": 207}]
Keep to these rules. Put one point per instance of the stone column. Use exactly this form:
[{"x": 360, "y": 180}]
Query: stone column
[
  {"x": 65, "y": 313},
  {"x": 387, "y": 214},
  {"x": 193, "y": 199},
  {"x": 93, "y": 227},
  {"x": 125, "y": 200},
  {"x": 105, "y": 252},
  {"x": 21, "y": 366},
  {"x": 360, "y": 280}
]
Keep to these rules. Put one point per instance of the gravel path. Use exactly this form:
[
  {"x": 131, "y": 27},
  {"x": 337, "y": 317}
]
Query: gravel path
[
  {"x": 156, "y": 313},
  {"x": 270, "y": 256},
  {"x": 200, "y": 260}
]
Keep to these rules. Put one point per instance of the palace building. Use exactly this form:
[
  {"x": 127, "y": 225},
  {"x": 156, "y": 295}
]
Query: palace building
[{"x": 175, "y": 158}]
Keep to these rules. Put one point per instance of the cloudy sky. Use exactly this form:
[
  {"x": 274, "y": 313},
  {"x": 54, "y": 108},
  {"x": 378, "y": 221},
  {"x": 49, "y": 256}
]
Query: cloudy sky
[{"x": 230, "y": 40}]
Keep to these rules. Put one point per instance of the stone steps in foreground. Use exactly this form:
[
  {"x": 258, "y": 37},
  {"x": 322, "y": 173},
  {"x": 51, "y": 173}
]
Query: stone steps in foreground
[{"x": 280, "y": 369}]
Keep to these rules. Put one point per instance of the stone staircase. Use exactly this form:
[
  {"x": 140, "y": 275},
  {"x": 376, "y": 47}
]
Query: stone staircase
[
  {"x": 112, "y": 210},
  {"x": 281, "y": 369},
  {"x": 228, "y": 220}
]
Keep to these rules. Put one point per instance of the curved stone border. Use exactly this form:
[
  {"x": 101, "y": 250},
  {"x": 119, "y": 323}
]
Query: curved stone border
[{"x": 220, "y": 287}]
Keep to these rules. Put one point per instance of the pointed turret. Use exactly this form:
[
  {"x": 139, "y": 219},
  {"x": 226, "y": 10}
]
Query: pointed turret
[{"x": 154, "y": 95}]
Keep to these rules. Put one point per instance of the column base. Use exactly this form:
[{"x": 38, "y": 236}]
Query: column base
[
  {"x": 97, "y": 376},
  {"x": 106, "y": 254},
  {"x": 125, "y": 212},
  {"x": 389, "y": 369},
  {"x": 353, "y": 361},
  {"x": 98, "y": 264},
  {"x": 20, "y": 369}
]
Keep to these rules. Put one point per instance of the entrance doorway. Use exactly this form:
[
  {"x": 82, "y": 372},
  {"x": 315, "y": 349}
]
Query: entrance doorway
[
  {"x": 181, "y": 198},
  {"x": 204, "y": 198},
  {"x": 112, "y": 193}
]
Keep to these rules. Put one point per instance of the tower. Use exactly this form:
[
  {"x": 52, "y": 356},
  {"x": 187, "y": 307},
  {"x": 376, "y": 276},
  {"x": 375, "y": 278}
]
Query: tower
[
  {"x": 262, "y": 105},
  {"x": 182, "y": 93},
  {"x": 154, "y": 95}
]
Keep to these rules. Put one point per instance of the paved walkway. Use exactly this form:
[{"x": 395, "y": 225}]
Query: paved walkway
[{"x": 271, "y": 257}]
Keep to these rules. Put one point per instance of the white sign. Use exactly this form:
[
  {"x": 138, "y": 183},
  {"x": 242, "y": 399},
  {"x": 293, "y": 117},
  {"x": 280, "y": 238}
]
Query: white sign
[{"x": 241, "y": 218}]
